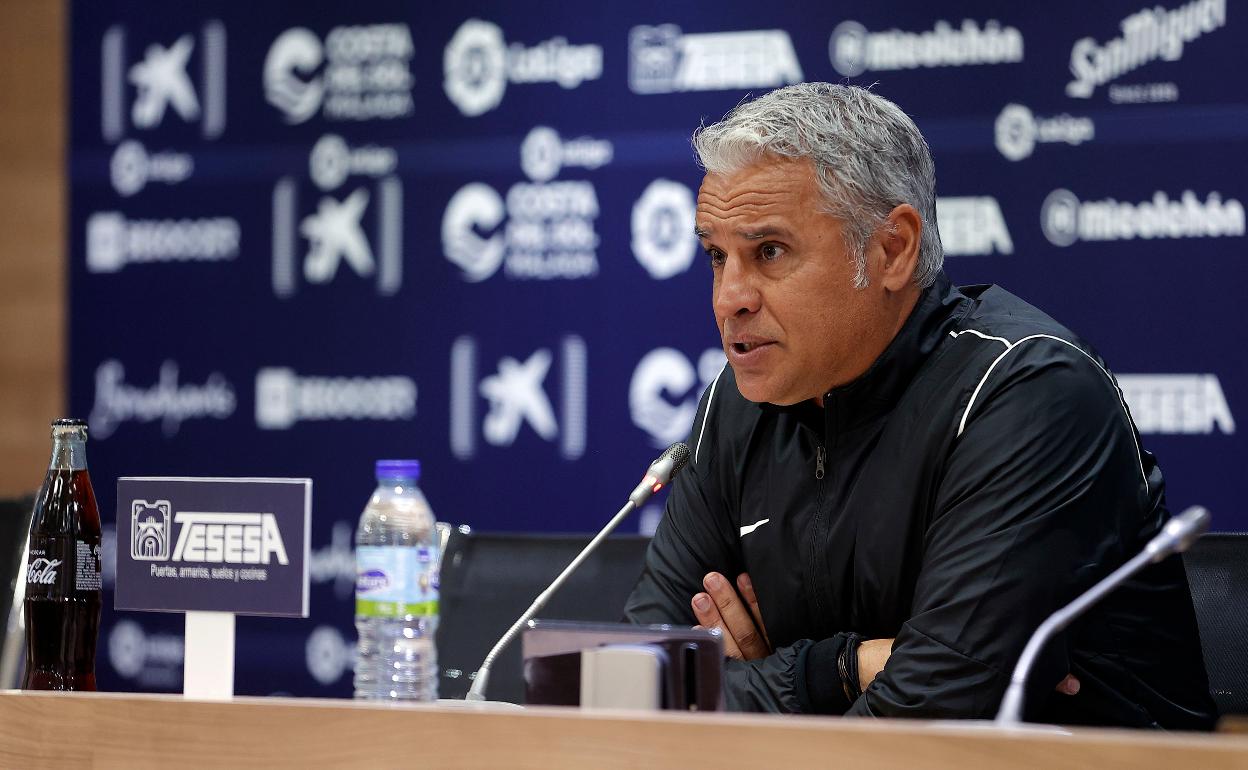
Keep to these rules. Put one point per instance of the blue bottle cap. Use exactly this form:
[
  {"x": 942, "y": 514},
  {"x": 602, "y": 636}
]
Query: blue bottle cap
[{"x": 398, "y": 469}]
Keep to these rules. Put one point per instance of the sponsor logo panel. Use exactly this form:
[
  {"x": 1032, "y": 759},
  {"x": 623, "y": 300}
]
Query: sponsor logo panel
[
  {"x": 1149, "y": 35},
  {"x": 662, "y": 229},
  {"x": 663, "y": 59},
  {"x": 543, "y": 229},
  {"x": 114, "y": 241},
  {"x": 356, "y": 73},
  {"x": 664, "y": 391},
  {"x": 338, "y": 230},
  {"x": 854, "y": 49},
  {"x": 1017, "y": 131},
  {"x": 132, "y": 167},
  {"x": 150, "y": 660},
  {"x": 284, "y": 398},
  {"x": 162, "y": 81},
  {"x": 222, "y": 538},
  {"x": 1066, "y": 220},
  {"x": 518, "y": 395},
  {"x": 168, "y": 401},
  {"x": 328, "y": 655},
  {"x": 1177, "y": 404},
  {"x": 478, "y": 64},
  {"x": 972, "y": 226}
]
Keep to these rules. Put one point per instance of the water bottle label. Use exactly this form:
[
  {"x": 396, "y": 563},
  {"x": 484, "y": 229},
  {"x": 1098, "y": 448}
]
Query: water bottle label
[{"x": 395, "y": 581}]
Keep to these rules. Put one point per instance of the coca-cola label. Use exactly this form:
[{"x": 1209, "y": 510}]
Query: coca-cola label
[
  {"x": 43, "y": 571},
  {"x": 87, "y": 575},
  {"x": 49, "y": 570},
  {"x": 56, "y": 566}
]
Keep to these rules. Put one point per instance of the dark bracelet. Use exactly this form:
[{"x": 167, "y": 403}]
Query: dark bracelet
[{"x": 847, "y": 666}]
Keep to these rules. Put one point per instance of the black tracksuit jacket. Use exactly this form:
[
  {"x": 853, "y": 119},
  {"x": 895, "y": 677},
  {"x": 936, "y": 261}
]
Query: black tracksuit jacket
[{"x": 981, "y": 474}]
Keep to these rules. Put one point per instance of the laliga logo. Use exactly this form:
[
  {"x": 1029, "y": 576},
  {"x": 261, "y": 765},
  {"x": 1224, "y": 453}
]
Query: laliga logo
[
  {"x": 226, "y": 538},
  {"x": 477, "y": 65},
  {"x": 132, "y": 167},
  {"x": 328, "y": 655},
  {"x": 662, "y": 228},
  {"x": 152, "y": 660},
  {"x": 1017, "y": 131},
  {"x": 661, "y": 398}
]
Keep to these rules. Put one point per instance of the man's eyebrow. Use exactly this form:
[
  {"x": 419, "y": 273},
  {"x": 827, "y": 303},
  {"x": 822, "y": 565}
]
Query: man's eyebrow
[
  {"x": 701, "y": 232},
  {"x": 764, "y": 232}
]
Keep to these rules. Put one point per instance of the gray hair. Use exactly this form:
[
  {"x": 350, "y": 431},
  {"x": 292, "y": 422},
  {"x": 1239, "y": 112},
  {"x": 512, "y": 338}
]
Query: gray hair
[{"x": 869, "y": 158}]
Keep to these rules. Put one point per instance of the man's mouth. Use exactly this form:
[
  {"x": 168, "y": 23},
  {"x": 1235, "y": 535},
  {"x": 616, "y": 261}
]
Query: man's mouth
[{"x": 742, "y": 347}]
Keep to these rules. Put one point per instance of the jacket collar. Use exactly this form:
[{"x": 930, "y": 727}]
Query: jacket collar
[{"x": 876, "y": 391}]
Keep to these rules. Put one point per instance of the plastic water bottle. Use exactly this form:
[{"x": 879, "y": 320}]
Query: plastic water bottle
[{"x": 396, "y": 589}]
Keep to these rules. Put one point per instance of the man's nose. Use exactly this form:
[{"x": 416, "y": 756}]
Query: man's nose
[{"x": 737, "y": 292}]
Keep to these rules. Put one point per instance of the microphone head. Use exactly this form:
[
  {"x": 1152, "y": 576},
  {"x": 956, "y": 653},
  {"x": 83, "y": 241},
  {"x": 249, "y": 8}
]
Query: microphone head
[
  {"x": 679, "y": 454},
  {"x": 1179, "y": 533},
  {"x": 1188, "y": 526}
]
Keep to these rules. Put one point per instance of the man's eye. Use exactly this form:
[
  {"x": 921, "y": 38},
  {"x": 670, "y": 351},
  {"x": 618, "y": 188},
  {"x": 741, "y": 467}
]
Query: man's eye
[
  {"x": 716, "y": 256},
  {"x": 770, "y": 251}
]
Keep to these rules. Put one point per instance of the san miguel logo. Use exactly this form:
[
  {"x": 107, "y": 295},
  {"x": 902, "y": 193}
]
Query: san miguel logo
[{"x": 223, "y": 538}]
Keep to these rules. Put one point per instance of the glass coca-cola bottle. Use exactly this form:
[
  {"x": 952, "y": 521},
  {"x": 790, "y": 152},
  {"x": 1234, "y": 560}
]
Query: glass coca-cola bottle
[{"x": 63, "y": 570}]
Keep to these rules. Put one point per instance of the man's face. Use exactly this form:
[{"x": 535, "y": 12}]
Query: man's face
[{"x": 791, "y": 322}]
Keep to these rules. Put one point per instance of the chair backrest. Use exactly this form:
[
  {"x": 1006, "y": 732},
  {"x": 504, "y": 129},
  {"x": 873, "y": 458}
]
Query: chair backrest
[
  {"x": 14, "y": 525},
  {"x": 1217, "y": 569},
  {"x": 488, "y": 580}
]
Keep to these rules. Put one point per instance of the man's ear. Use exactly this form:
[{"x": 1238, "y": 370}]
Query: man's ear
[{"x": 899, "y": 242}]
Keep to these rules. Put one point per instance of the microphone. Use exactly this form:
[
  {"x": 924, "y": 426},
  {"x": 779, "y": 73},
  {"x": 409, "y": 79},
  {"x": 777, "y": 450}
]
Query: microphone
[
  {"x": 659, "y": 475},
  {"x": 1175, "y": 537}
]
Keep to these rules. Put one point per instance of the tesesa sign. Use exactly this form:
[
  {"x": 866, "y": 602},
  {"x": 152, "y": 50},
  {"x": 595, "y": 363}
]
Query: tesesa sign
[{"x": 227, "y": 545}]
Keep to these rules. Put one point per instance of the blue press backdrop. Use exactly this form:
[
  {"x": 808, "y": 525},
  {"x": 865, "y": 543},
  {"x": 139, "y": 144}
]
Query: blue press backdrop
[{"x": 304, "y": 236}]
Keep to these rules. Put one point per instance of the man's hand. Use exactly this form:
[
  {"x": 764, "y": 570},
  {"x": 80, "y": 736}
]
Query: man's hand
[
  {"x": 873, "y": 654},
  {"x": 745, "y": 638}
]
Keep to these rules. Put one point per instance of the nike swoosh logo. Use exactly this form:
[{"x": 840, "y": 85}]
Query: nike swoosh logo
[{"x": 748, "y": 528}]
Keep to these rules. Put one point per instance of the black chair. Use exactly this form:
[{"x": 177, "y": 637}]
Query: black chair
[
  {"x": 488, "y": 580},
  {"x": 14, "y": 525},
  {"x": 1217, "y": 569}
]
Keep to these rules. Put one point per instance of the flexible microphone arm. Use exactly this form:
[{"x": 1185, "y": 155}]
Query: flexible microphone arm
[
  {"x": 659, "y": 475},
  {"x": 1177, "y": 536}
]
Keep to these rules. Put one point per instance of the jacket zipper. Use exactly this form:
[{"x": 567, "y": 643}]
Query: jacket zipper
[{"x": 821, "y": 455}]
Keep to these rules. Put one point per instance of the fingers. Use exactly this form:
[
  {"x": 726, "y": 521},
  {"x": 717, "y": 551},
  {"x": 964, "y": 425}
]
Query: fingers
[
  {"x": 708, "y": 616},
  {"x": 747, "y": 592},
  {"x": 1069, "y": 685},
  {"x": 737, "y": 621}
]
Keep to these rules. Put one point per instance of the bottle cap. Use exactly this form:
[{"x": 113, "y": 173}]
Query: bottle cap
[
  {"x": 398, "y": 469},
  {"x": 69, "y": 425}
]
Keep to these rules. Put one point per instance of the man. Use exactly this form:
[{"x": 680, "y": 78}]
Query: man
[{"x": 906, "y": 476}]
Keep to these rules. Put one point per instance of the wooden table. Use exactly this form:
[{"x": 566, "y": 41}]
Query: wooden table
[{"x": 127, "y": 730}]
